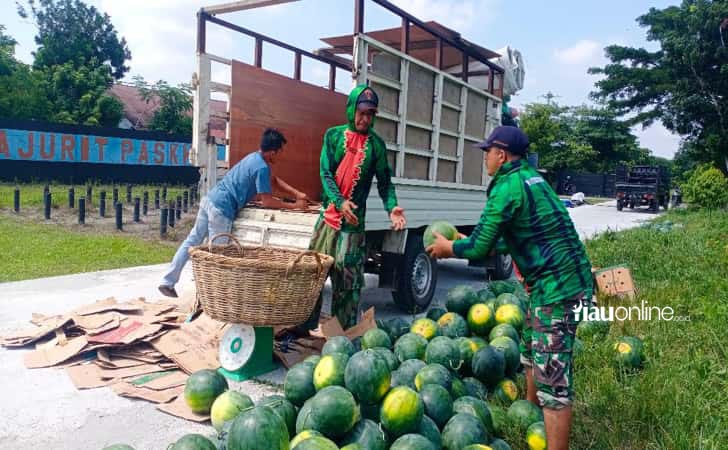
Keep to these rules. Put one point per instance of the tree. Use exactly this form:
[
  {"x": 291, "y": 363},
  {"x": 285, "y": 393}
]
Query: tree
[
  {"x": 684, "y": 84},
  {"x": 552, "y": 137},
  {"x": 173, "y": 106},
  {"x": 78, "y": 57},
  {"x": 71, "y": 31},
  {"x": 21, "y": 89}
]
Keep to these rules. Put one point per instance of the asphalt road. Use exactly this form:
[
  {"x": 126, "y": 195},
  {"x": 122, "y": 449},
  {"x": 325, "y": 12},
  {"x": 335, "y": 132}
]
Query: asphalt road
[{"x": 42, "y": 409}]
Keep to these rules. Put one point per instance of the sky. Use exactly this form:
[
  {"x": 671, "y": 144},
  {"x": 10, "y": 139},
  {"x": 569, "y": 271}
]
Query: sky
[{"x": 559, "y": 39}]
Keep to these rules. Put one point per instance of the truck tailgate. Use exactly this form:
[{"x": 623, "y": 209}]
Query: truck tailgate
[{"x": 275, "y": 228}]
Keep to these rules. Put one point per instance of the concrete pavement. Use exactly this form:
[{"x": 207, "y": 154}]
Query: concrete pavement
[{"x": 42, "y": 409}]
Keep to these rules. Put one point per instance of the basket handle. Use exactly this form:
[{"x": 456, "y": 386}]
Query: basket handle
[
  {"x": 300, "y": 256},
  {"x": 232, "y": 238}
]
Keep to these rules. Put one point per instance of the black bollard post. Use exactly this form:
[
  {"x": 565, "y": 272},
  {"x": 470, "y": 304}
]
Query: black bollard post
[
  {"x": 163, "y": 223},
  {"x": 47, "y": 205},
  {"x": 119, "y": 224},
  {"x": 128, "y": 193},
  {"x": 164, "y": 194},
  {"x": 156, "y": 199},
  {"x": 193, "y": 194},
  {"x": 90, "y": 195},
  {"x": 136, "y": 209},
  {"x": 178, "y": 210},
  {"x": 145, "y": 203},
  {"x": 16, "y": 200},
  {"x": 71, "y": 198},
  {"x": 46, "y": 189},
  {"x": 102, "y": 204},
  {"x": 170, "y": 215},
  {"x": 81, "y": 211},
  {"x": 115, "y": 196},
  {"x": 185, "y": 201}
]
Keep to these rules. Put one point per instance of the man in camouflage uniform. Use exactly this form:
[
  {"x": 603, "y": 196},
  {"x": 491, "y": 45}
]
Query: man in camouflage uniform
[
  {"x": 352, "y": 155},
  {"x": 538, "y": 232}
]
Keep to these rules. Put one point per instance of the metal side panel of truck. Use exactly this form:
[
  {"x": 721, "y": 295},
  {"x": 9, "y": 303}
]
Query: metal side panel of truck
[{"x": 428, "y": 118}]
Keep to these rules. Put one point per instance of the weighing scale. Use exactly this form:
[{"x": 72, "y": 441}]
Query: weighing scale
[{"x": 246, "y": 352}]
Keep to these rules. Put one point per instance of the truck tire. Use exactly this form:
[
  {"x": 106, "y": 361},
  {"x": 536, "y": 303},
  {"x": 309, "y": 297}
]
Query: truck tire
[
  {"x": 416, "y": 277},
  {"x": 654, "y": 206},
  {"x": 620, "y": 205},
  {"x": 502, "y": 268}
]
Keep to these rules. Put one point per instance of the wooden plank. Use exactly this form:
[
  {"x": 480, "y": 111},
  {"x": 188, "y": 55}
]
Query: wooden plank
[{"x": 303, "y": 112}]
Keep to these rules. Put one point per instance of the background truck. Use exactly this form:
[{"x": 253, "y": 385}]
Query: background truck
[
  {"x": 438, "y": 95},
  {"x": 642, "y": 186}
]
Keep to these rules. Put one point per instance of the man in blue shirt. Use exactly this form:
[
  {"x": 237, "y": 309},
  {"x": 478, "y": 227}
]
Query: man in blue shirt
[{"x": 247, "y": 179}]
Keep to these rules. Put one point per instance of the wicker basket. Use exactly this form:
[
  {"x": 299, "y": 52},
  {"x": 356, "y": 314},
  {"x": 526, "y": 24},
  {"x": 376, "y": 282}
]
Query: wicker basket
[{"x": 260, "y": 286}]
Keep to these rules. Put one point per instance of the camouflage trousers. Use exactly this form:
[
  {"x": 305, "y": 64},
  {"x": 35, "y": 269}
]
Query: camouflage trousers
[
  {"x": 347, "y": 273},
  {"x": 546, "y": 346}
]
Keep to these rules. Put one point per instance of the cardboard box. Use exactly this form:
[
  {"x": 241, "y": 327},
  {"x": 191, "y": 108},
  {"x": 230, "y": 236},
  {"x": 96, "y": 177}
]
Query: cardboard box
[{"x": 615, "y": 281}]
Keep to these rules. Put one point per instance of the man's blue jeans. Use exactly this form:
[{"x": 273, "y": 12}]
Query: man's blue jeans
[{"x": 210, "y": 222}]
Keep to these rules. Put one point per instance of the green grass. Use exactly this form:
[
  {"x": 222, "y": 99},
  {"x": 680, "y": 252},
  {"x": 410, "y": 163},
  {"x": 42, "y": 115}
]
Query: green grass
[
  {"x": 680, "y": 399},
  {"x": 31, "y": 195},
  {"x": 37, "y": 250}
]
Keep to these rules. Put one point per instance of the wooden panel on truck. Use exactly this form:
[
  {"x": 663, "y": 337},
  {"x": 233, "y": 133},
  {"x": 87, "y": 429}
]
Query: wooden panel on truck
[{"x": 303, "y": 112}]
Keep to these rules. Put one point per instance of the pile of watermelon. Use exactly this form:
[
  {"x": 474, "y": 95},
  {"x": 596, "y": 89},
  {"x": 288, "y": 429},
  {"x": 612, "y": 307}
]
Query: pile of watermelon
[{"x": 444, "y": 381}]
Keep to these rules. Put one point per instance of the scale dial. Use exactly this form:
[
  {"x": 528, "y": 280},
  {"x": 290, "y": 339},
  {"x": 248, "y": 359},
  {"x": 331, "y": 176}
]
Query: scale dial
[{"x": 236, "y": 347}]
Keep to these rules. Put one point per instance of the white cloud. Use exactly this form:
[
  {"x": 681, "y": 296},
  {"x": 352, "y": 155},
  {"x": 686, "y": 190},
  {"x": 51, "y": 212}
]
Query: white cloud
[
  {"x": 161, "y": 35},
  {"x": 456, "y": 14},
  {"x": 583, "y": 52},
  {"x": 658, "y": 139}
]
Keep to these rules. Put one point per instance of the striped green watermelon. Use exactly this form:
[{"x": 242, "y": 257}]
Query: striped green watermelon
[
  {"x": 402, "y": 411},
  {"x": 510, "y": 350},
  {"x": 504, "y": 329},
  {"x": 438, "y": 403},
  {"x": 298, "y": 385},
  {"x": 489, "y": 365},
  {"x": 477, "y": 407},
  {"x": 330, "y": 370},
  {"x": 388, "y": 356},
  {"x": 202, "y": 388},
  {"x": 523, "y": 413},
  {"x": 259, "y": 427},
  {"x": 433, "y": 374},
  {"x": 367, "y": 434},
  {"x": 467, "y": 349},
  {"x": 428, "y": 428},
  {"x": 375, "y": 338},
  {"x": 506, "y": 392},
  {"x": 332, "y": 411},
  {"x": 193, "y": 442},
  {"x": 338, "y": 344},
  {"x": 367, "y": 376},
  {"x": 410, "y": 346},
  {"x": 285, "y": 410},
  {"x": 458, "y": 388},
  {"x": 316, "y": 443},
  {"x": 460, "y": 299},
  {"x": 412, "y": 442},
  {"x": 227, "y": 406},
  {"x": 536, "y": 436},
  {"x": 443, "y": 350},
  {"x": 425, "y": 327},
  {"x": 474, "y": 388},
  {"x": 447, "y": 230},
  {"x": 463, "y": 430},
  {"x": 453, "y": 325},
  {"x": 435, "y": 313}
]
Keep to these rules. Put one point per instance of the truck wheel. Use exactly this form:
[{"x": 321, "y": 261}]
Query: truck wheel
[
  {"x": 416, "y": 277},
  {"x": 620, "y": 205},
  {"x": 654, "y": 207},
  {"x": 503, "y": 268}
]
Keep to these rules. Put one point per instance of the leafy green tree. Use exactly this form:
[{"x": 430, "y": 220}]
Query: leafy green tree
[
  {"x": 684, "y": 84},
  {"x": 551, "y": 135},
  {"x": 72, "y": 31},
  {"x": 173, "y": 106},
  {"x": 707, "y": 188},
  {"x": 21, "y": 89},
  {"x": 78, "y": 58}
]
